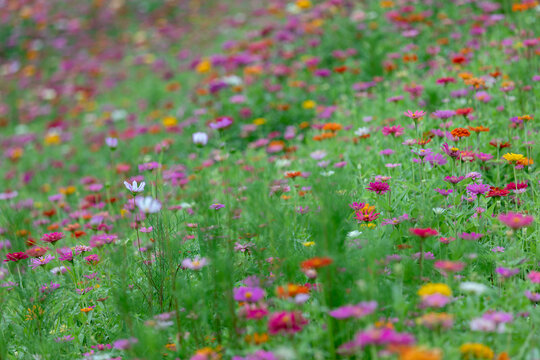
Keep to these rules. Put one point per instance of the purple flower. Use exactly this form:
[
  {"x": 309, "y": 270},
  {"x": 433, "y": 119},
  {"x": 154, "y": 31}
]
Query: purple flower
[
  {"x": 248, "y": 294},
  {"x": 470, "y": 236},
  {"x": 357, "y": 311},
  {"x": 444, "y": 114},
  {"x": 124, "y": 344},
  {"x": 378, "y": 187},
  {"x": 534, "y": 297},
  {"x": 444, "y": 192},
  {"x": 48, "y": 288},
  {"x": 506, "y": 273},
  {"x": 477, "y": 189},
  {"x": 217, "y": 206},
  {"x": 40, "y": 261},
  {"x": 112, "y": 143}
]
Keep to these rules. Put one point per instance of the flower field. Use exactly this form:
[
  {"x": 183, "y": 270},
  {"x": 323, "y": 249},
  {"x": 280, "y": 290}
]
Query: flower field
[{"x": 269, "y": 180}]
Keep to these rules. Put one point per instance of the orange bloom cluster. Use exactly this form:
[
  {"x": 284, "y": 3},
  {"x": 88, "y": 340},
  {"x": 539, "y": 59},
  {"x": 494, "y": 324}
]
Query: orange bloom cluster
[
  {"x": 460, "y": 132},
  {"x": 316, "y": 263}
]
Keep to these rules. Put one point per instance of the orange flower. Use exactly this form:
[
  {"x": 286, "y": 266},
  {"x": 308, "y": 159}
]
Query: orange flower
[
  {"x": 332, "y": 127},
  {"x": 316, "y": 263},
  {"x": 293, "y": 174},
  {"x": 87, "y": 309},
  {"x": 291, "y": 290},
  {"x": 328, "y": 135},
  {"x": 478, "y": 129},
  {"x": 256, "y": 338},
  {"x": 525, "y": 162},
  {"x": 460, "y": 132}
]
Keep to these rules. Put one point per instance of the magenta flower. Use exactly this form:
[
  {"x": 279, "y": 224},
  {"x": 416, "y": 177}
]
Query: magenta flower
[
  {"x": 357, "y": 311},
  {"x": 534, "y": 276},
  {"x": 454, "y": 179},
  {"x": 470, "y": 236},
  {"x": 92, "y": 259},
  {"x": 506, "y": 273},
  {"x": 16, "y": 256},
  {"x": 40, "y": 261},
  {"x": 533, "y": 297},
  {"x": 378, "y": 187},
  {"x": 477, "y": 189},
  {"x": 248, "y": 294},
  {"x": 357, "y": 206},
  {"x": 288, "y": 322},
  {"x": 515, "y": 220},
  {"x": 376, "y": 336},
  {"x": 395, "y": 130},
  {"x": 52, "y": 237}
]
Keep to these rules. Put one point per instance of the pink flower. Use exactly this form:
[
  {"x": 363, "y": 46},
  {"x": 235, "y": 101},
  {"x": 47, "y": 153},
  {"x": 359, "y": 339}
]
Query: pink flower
[
  {"x": 423, "y": 233},
  {"x": 378, "y": 187},
  {"x": 414, "y": 115},
  {"x": 515, "y": 220},
  {"x": 16, "y": 256},
  {"x": 288, "y": 322},
  {"x": 357, "y": 311},
  {"x": 396, "y": 130},
  {"x": 52, "y": 237},
  {"x": 195, "y": 264},
  {"x": 534, "y": 276},
  {"x": 248, "y": 294}
]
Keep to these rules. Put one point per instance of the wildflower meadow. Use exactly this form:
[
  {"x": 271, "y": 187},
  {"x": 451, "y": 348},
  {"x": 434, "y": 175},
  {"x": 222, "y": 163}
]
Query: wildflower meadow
[{"x": 269, "y": 179}]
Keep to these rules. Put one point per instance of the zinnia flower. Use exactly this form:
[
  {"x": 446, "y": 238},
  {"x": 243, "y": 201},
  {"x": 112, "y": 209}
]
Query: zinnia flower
[{"x": 515, "y": 220}]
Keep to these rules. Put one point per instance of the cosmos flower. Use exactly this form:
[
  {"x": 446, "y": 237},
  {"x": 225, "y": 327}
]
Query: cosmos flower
[
  {"x": 515, "y": 220},
  {"x": 200, "y": 138},
  {"x": 248, "y": 294},
  {"x": 194, "y": 264},
  {"x": 134, "y": 187},
  {"x": 148, "y": 205}
]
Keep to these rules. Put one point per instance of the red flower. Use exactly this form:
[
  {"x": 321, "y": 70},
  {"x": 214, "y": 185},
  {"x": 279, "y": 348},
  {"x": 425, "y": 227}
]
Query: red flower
[
  {"x": 423, "y": 233},
  {"x": 496, "y": 192},
  {"x": 15, "y": 256},
  {"x": 316, "y": 263}
]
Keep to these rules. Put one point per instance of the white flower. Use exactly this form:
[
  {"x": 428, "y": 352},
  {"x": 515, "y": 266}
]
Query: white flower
[
  {"x": 200, "y": 138},
  {"x": 232, "y": 80},
  {"x": 328, "y": 173},
  {"x": 473, "y": 287},
  {"x": 438, "y": 210},
  {"x": 362, "y": 131},
  {"x": 354, "y": 234},
  {"x": 133, "y": 187},
  {"x": 148, "y": 205}
]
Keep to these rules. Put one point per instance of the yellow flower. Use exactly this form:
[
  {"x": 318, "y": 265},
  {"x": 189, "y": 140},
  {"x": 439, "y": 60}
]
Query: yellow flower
[
  {"x": 309, "y": 104},
  {"x": 204, "y": 66},
  {"x": 434, "y": 288},
  {"x": 303, "y": 4},
  {"x": 511, "y": 157},
  {"x": 259, "y": 121},
  {"x": 476, "y": 351},
  {"x": 169, "y": 121},
  {"x": 308, "y": 243},
  {"x": 52, "y": 138},
  {"x": 385, "y": 4}
]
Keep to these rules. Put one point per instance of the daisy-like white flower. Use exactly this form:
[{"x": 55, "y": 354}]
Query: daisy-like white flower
[
  {"x": 200, "y": 138},
  {"x": 148, "y": 205},
  {"x": 473, "y": 287},
  {"x": 134, "y": 187}
]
